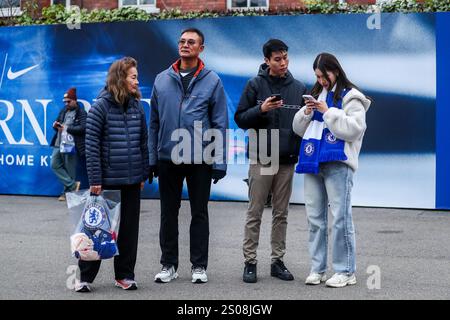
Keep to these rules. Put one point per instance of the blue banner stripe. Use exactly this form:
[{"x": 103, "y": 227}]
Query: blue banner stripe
[{"x": 442, "y": 110}]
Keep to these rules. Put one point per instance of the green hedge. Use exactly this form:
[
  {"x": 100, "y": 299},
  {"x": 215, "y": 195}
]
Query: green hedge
[
  {"x": 406, "y": 6},
  {"x": 57, "y": 14}
]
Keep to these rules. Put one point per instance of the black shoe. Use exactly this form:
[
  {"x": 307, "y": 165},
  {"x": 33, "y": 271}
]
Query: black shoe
[
  {"x": 279, "y": 270},
  {"x": 249, "y": 273}
]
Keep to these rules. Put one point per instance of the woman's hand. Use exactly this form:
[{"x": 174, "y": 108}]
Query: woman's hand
[
  {"x": 96, "y": 189},
  {"x": 310, "y": 107},
  {"x": 321, "y": 106}
]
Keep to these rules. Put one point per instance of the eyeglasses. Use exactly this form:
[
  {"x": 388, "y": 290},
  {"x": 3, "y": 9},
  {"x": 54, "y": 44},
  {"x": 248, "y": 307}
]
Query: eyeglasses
[
  {"x": 190, "y": 42},
  {"x": 66, "y": 101}
]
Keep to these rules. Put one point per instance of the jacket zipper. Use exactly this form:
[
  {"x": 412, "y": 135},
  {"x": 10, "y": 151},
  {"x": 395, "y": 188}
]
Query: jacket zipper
[{"x": 181, "y": 107}]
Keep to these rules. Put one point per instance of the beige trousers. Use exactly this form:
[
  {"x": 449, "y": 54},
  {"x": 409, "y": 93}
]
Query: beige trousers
[{"x": 259, "y": 188}]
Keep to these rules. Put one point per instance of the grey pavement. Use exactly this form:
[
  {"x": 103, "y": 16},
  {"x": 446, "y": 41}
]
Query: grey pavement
[{"x": 409, "y": 248}]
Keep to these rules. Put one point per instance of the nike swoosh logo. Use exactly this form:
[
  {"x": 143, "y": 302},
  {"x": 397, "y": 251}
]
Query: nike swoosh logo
[{"x": 13, "y": 75}]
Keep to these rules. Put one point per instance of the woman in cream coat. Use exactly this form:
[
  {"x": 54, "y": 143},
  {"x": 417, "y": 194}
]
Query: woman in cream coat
[{"x": 332, "y": 126}]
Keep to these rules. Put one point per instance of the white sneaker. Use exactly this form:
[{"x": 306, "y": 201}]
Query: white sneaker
[
  {"x": 339, "y": 280},
  {"x": 199, "y": 275},
  {"x": 316, "y": 278},
  {"x": 82, "y": 286},
  {"x": 166, "y": 274}
]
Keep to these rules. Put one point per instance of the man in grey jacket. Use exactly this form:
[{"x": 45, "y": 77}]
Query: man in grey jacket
[{"x": 188, "y": 109}]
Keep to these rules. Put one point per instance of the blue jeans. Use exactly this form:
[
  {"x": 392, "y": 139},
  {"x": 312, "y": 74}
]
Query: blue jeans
[
  {"x": 331, "y": 187},
  {"x": 64, "y": 166}
]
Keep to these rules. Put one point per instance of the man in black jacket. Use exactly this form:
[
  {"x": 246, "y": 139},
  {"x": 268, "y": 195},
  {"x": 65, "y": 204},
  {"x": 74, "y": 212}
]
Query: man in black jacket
[
  {"x": 71, "y": 121},
  {"x": 270, "y": 101}
]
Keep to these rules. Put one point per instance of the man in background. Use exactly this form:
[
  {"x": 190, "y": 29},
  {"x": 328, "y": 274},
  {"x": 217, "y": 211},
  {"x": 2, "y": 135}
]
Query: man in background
[{"x": 70, "y": 126}]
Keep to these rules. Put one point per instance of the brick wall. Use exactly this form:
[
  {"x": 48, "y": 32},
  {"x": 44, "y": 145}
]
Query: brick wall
[
  {"x": 29, "y": 5},
  {"x": 41, "y": 3},
  {"x": 98, "y": 4},
  {"x": 275, "y": 5},
  {"x": 193, "y": 5}
]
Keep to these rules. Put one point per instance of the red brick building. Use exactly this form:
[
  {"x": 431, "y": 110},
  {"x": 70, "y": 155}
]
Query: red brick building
[{"x": 185, "y": 5}]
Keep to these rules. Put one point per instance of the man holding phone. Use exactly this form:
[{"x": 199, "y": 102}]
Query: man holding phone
[
  {"x": 72, "y": 119},
  {"x": 260, "y": 107}
]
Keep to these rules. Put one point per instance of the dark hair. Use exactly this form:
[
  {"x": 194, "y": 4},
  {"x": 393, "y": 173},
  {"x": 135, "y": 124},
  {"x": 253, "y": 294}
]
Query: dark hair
[
  {"x": 116, "y": 79},
  {"x": 328, "y": 62},
  {"x": 273, "y": 45},
  {"x": 195, "y": 30}
]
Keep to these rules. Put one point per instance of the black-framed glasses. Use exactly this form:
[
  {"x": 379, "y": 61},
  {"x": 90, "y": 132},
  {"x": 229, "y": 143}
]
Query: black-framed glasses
[{"x": 190, "y": 42}]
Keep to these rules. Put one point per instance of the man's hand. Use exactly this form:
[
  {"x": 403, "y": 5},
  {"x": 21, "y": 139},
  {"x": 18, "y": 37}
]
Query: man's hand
[
  {"x": 217, "y": 175},
  {"x": 269, "y": 104},
  {"x": 58, "y": 126},
  {"x": 153, "y": 173}
]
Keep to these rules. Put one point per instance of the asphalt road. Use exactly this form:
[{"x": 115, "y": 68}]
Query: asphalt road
[{"x": 401, "y": 254}]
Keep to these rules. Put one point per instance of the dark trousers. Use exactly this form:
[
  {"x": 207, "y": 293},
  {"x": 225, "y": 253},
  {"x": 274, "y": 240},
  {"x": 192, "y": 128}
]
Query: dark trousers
[
  {"x": 198, "y": 179},
  {"x": 127, "y": 240}
]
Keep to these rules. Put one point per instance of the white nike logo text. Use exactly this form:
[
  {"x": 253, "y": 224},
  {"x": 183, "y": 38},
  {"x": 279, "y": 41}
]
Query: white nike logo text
[{"x": 13, "y": 75}]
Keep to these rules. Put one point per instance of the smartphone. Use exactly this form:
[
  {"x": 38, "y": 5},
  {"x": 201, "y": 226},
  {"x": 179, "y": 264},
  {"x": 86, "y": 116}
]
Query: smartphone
[
  {"x": 309, "y": 97},
  {"x": 277, "y": 97}
]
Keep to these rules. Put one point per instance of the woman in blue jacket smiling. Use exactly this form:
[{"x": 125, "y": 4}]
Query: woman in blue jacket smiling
[{"x": 117, "y": 159}]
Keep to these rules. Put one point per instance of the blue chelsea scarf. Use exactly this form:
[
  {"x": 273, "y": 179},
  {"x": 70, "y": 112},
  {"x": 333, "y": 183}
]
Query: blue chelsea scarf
[{"x": 319, "y": 144}]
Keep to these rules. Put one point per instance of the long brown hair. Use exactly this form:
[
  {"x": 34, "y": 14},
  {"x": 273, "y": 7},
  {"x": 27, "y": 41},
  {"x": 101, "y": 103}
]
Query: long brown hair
[
  {"x": 328, "y": 62},
  {"x": 116, "y": 83}
]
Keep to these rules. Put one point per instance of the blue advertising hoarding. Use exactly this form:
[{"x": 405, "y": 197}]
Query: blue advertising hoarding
[{"x": 394, "y": 63}]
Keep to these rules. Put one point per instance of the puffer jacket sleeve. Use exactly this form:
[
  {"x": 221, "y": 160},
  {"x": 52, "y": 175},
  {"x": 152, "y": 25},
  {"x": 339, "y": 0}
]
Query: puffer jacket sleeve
[
  {"x": 60, "y": 117},
  {"x": 80, "y": 129},
  {"x": 144, "y": 145},
  {"x": 94, "y": 129}
]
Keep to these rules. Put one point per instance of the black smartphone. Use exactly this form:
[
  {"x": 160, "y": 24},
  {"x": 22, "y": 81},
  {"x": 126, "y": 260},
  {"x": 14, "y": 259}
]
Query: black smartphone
[{"x": 277, "y": 97}]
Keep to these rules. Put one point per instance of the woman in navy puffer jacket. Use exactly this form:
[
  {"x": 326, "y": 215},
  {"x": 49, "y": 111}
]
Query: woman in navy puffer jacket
[{"x": 117, "y": 159}]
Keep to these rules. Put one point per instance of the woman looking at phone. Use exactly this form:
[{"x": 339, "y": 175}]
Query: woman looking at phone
[{"x": 332, "y": 125}]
